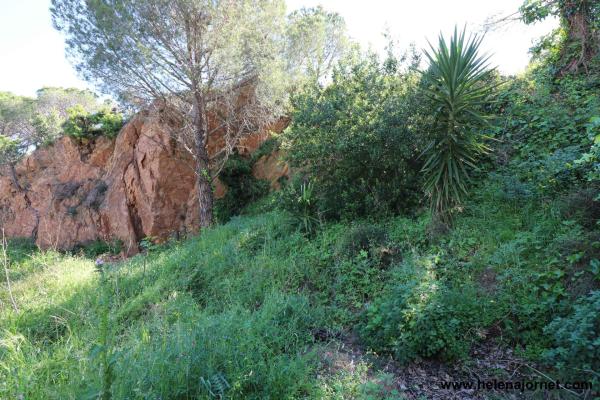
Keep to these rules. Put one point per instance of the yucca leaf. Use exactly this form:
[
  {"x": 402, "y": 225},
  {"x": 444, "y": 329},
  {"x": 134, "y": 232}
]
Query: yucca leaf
[{"x": 458, "y": 82}]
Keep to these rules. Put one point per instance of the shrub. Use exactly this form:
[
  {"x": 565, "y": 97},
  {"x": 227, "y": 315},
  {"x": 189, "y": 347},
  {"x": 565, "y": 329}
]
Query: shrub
[
  {"x": 242, "y": 187},
  {"x": 590, "y": 160},
  {"x": 420, "y": 316},
  {"x": 358, "y": 140},
  {"x": 553, "y": 172},
  {"x": 268, "y": 147},
  {"x": 96, "y": 248},
  {"x": 10, "y": 150},
  {"x": 541, "y": 114},
  {"x": 82, "y": 125},
  {"x": 576, "y": 347},
  {"x": 583, "y": 205},
  {"x": 361, "y": 237}
]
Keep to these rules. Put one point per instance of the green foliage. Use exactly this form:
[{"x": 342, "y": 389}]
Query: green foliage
[
  {"x": 252, "y": 308},
  {"x": 102, "y": 352},
  {"x": 546, "y": 130},
  {"x": 315, "y": 40},
  {"x": 235, "y": 310},
  {"x": 576, "y": 347},
  {"x": 97, "y": 248},
  {"x": 26, "y": 123},
  {"x": 419, "y": 316},
  {"x": 552, "y": 173},
  {"x": 573, "y": 46},
  {"x": 362, "y": 237},
  {"x": 10, "y": 150},
  {"x": 357, "y": 139},
  {"x": 299, "y": 199},
  {"x": 459, "y": 85},
  {"x": 47, "y": 127},
  {"x": 83, "y": 125},
  {"x": 591, "y": 158},
  {"x": 242, "y": 187},
  {"x": 149, "y": 244},
  {"x": 267, "y": 148},
  {"x": 33, "y": 122},
  {"x": 542, "y": 115}
]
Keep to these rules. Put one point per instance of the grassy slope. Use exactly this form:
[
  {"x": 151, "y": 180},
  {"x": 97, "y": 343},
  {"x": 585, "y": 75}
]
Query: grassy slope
[{"x": 239, "y": 309}]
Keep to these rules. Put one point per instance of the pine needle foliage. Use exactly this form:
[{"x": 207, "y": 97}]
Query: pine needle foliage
[{"x": 459, "y": 83}]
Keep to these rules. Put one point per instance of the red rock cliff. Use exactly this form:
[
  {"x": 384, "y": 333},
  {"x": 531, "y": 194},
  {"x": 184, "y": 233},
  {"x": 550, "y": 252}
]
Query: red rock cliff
[{"x": 139, "y": 184}]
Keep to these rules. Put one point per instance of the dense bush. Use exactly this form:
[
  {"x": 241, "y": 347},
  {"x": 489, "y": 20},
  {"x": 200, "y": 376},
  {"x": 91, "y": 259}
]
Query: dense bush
[
  {"x": 242, "y": 187},
  {"x": 98, "y": 247},
  {"x": 540, "y": 115},
  {"x": 359, "y": 138},
  {"x": 591, "y": 158},
  {"x": 82, "y": 125},
  {"x": 10, "y": 150},
  {"x": 576, "y": 343},
  {"x": 418, "y": 315},
  {"x": 362, "y": 237}
]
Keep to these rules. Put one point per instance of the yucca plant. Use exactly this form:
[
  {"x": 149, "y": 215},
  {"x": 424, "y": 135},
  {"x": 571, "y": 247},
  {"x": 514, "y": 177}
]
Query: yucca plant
[{"x": 459, "y": 83}]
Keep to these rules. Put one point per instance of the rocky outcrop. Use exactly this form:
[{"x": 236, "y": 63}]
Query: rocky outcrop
[
  {"x": 270, "y": 167},
  {"x": 140, "y": 184}
]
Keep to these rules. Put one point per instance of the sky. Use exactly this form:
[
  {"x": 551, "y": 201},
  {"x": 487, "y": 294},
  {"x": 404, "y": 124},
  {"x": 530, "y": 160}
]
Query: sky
[{"x": 32, "y": 53}]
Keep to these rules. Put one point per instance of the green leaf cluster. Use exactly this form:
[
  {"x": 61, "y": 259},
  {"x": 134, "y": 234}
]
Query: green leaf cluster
[
  {"x": 358, "y": 139},
  {"x": 83, "y": 125}
]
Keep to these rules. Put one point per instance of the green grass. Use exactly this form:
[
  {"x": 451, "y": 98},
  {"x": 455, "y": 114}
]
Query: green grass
[
  {"x": 233, "y": 313},
  {"x": 226, "y": 311}
]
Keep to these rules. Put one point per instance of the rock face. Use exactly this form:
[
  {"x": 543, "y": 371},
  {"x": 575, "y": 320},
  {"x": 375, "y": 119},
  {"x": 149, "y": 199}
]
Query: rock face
[
  {"x": 271, "y": 168},
  {"x": 140, "y": 184}
]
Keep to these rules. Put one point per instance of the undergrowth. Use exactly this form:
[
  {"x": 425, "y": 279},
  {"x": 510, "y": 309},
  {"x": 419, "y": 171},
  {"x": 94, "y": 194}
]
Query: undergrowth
[{"x": 236, "y": 312}]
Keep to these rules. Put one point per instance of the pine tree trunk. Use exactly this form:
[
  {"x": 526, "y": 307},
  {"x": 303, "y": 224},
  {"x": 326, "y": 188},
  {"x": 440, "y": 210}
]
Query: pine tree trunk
[{"x": 205, "y": 195}]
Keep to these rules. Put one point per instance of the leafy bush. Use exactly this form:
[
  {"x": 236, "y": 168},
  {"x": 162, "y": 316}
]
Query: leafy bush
[
  {"x": 553, "y": 172},
  {"x": 242, "y": 187},
  {"x": 541, "y": 115},
  {"x": 361, "y": 237},
  {"x": 419, "y": 316},
  {"x": 576, "y": 347},
  {"x": 83, "y": 125},
  {"x": 10, "y": 150},
  {"x": 582, "y": 205},
  {"x": 358, "y": 139},
  {"x": 268, "y": 147},
  {"x": 591, "y": 159},
  {"x": 97, "y": 248}
]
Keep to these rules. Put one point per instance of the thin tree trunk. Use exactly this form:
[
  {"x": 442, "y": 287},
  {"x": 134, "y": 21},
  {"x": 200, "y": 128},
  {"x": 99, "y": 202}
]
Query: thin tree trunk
[{"x": 205, "y": 195}]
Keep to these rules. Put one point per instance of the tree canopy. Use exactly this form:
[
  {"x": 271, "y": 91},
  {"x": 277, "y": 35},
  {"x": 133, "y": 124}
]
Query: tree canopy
[
  {"x": 26, "y": 123},
  {"x": 217, "y": 60}
]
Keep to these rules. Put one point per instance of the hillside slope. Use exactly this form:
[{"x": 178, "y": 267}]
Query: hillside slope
[{"x": 253, "y": 309}]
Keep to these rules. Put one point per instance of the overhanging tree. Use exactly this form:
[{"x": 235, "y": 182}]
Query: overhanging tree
[
  {"x": 213, "y": 61},
  {"x": 579, "y": 31}
]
